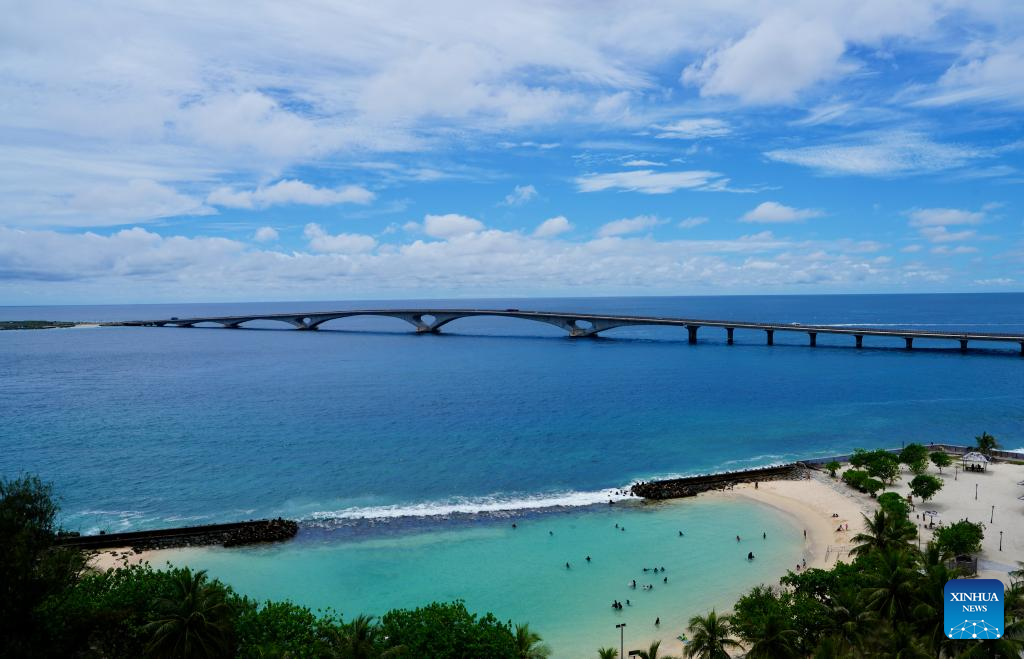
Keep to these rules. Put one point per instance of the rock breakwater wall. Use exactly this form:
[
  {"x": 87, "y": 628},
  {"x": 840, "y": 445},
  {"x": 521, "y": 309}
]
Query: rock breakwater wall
[
  {"x": 677, "y": 488},
  {"x": 229, "y": 535}
]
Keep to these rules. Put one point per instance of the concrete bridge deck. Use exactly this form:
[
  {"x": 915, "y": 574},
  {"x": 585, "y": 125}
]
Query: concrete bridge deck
[{"x": 585, "y": 324}]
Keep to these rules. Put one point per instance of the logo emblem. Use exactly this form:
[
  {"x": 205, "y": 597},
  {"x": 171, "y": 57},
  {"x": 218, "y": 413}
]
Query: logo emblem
[{"x": 974, "y": 609}]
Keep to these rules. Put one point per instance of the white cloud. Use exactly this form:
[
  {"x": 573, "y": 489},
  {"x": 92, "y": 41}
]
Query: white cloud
[
  {"x": 986, "y": 73},
  {"x": 265, "y": 235},
  {"x": 994, "y": 281},
  {"x": 695, "y": 129},
  {"x": 342, "y": 243},
  {"x": 628, "y": 225},
  {"x": 959, "y": 249},
  {"x": 911, "y": 249},
  {"x": 144, "y": 266},
  {"x": 551, "y": 227},
  {"x": 692, "y": 222},
  {"x": 943, "y": 235},
  {"x": 450, "y": 225},
  {"x": 520, "y": 195},
  {"x": 289, "y": 191},
  {"x": 642, "y": 163},
  {"x": 774, "y": 212},
  {"x": 823, "y": 114},
  {"x": 649, "y": 181},
  {"x": 940, "y": 217},
  {"x": 886, "y": 154},
  {"x": 773, "y": 62}
]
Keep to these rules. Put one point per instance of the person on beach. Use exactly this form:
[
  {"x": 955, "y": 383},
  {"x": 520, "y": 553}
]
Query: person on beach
[
  {"x": 805, "y": 534},
  {"x": 657, "y": 621},
  {"x": 805, "y": 562}
]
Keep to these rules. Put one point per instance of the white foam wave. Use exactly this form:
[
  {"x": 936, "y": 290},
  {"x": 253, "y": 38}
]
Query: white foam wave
[{"x": 476, "y": 506}]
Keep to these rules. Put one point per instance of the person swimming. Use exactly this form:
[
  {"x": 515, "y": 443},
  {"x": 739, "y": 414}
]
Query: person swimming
[
  {"x": 665, "y": 580},
  {"x": 737, "y": 538},
  {"x": 750, "y": 556},
  {"x": 657, "y": 621},
  {"x": 567, "y": 565},
  {"x": 588, "y": 559},
  {"x": 680, "y": 534},
  {"x": 634, "y": 584}
]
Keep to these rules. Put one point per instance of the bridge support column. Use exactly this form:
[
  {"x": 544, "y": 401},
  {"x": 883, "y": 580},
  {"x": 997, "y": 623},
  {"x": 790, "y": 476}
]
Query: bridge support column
[
  {"x": 910, "y": 342},
  {"x": 692, "y": 333},
  {"x": 963, "y": 345},
  {"x": 771, "y": 337},
  {"x": 860, "y": 340},
  {"x": 814, "y": 338},
  {"x": 728, "y": 335}
]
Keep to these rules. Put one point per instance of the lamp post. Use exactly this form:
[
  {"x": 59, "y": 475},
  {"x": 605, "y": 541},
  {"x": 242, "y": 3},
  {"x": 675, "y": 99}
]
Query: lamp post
[
  {"x": 975, "y": 491},
  {"x": 956, "y": 470},
  {"x": 1000, "y": 541},
  {"x": 992, "y": 516},
  {"x": 622, "y": 638}
]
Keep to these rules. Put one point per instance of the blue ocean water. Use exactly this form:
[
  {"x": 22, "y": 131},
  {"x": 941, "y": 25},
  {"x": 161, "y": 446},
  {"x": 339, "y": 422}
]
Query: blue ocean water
[
  {"x": 408, "y": 456},
  {"x": 142, "y": 427}
]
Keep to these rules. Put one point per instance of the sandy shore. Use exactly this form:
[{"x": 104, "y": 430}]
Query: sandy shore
[{"x": 109, "y": 559}]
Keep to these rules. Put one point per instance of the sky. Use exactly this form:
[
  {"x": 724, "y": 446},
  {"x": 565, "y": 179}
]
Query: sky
[{"x": 314, "y": 150}]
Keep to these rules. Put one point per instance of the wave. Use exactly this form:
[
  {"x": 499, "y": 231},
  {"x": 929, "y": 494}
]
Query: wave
[{"x": 490, "y": 505}]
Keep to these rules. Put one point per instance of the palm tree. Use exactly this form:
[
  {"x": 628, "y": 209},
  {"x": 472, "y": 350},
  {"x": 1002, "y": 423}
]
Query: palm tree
[
  {"x": 890, "y": 587},
  {"x": 776, "y": 640},
  {"x": 652, "y": 652},
  {"x": 195, "y": 621},
  {"x": 607, "y": 653},
  {"x": 529, "y": 645},
  {"x": 883, "y": 531},
  {"x": 357, "y": 639},
  {"x": 986, "y": 443},
  {"x": 847, "y": 621},
  {"x": 710, "y": 637}
]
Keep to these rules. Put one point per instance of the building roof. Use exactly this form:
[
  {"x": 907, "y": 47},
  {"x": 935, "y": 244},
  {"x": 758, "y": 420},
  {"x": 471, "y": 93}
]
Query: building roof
[{"x": 974, "y": 456}]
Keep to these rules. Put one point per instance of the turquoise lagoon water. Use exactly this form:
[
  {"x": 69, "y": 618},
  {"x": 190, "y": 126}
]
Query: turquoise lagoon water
[
  {"x": 406, "y": 457},
  {"x": 520, "y": 573}
]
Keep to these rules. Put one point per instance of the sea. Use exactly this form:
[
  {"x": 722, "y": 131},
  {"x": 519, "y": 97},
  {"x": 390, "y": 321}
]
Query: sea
[{"x": 407, "y": 458}]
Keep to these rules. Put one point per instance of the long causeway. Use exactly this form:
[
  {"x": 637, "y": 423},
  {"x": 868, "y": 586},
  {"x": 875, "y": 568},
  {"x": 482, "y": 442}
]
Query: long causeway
[{"x": 589, "y": 325}]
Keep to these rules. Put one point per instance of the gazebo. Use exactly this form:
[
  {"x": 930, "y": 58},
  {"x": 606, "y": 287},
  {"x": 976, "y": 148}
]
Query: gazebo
[{"x": 974, "y": 461}]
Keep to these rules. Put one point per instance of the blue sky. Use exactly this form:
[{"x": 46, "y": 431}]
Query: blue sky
[{"x": 311, "y": 150}]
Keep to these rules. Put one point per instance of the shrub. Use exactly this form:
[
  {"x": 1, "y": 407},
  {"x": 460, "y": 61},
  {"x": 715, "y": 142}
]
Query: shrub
[
  {"x": 925, "y": 486},
  {"x": 832, "y": 467},
  {"x": 940, "y": 459},
  {"x": 964, "y": 537},
  {"x": 894, "y": 504},
  {"x": 855, "y": 478}
]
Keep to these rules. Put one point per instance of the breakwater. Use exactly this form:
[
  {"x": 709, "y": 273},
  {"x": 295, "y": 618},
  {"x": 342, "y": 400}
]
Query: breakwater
[
  {"x": 677, "y": 488},
  {"x": 229, "y": 535}
]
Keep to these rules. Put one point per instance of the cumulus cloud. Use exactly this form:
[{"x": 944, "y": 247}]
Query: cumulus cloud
[
  {"x": 450, "y": 225},
  {"x": 342, "y": 243},
  {"x": 552, "y": 227},
  {"x": 265, "y": 235},
  {"x": 695, "y": 129},
  {"x": 692, "y": 222},
  {"x": 880, "y": 154},
  {"x": 109, "y": 204},
  {"x": 774, "y": 212},
  {"x": 649, "y": 181},
  {"x": 520, "y": 195},
  {"x": 289, "y": 191},
  {"x": 628, "y": 225}
]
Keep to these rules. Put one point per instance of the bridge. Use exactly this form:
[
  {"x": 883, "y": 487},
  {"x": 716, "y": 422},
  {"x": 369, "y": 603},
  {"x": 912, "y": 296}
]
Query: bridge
[{"x": 587, "y": 325}]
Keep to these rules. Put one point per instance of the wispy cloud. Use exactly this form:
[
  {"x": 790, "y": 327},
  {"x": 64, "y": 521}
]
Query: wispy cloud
[
  {"x": 629, "y": 225},
  {"x": 649, "y": 181},
  {"x": 694, "y": 129},
  {"x": 773, "y": 212},
  {"x": 289, "y": 191},
  {"x": 520, "y": 195},
  {"x": 880, "y": 154}
]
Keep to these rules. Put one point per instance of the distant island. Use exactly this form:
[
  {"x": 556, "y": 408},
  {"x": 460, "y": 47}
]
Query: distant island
[{"x": 37, "y": 324}]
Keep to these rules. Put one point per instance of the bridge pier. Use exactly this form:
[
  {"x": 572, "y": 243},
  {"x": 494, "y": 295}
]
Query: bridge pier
[
  {"x": 910, "y": 342},
  {"x": 691, "y": 331},
  {"x": 963, "y": 345},
  {"x": 814, "y": 338},
  {"x": 860, "y": 340},
  {"x": 728, "y": 335},
  {"x": 771, "y": 337}
]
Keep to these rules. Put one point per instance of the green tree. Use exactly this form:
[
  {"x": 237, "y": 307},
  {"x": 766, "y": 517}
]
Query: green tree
[
  {"x": 196, "y": 621},
  {"x": 31, "y": 568},
  {"x": 529, "y": 644},
  {"x": 871, "y": 486},
  {"x": 710, "y": 637},
  {"x": 832, "y": 467},
  {"x": 883, "y": 465},
  {"x": 893, "y": 503},
  {"x": 883, "y": 531},
  {"x": 986, "y": 443},
  {"x": 855, "y": 478},
  {"x": 448, "y": 631},
  {"x": 963, "y": 537},
  {"x": 940, "y": 459},
  {"x": 891, "y": 584},
  {"x": 925, "y": 486},
  {"x": 915, "y": 456},
  {"x": 607, "y": 653},
  {"x": 652, "y": 652}
]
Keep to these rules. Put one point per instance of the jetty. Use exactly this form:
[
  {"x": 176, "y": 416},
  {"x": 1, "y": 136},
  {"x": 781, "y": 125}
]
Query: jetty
[
  {"x": 579, "y": 325},
  {"x": 691, "y": 486},
  {"x": 232, "y": 534}
]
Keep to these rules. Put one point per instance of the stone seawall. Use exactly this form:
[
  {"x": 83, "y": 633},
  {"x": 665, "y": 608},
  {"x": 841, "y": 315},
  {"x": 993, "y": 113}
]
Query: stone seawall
[
  {"x": 677, "y": 488},
  {"x": 229, "y": 535}
]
